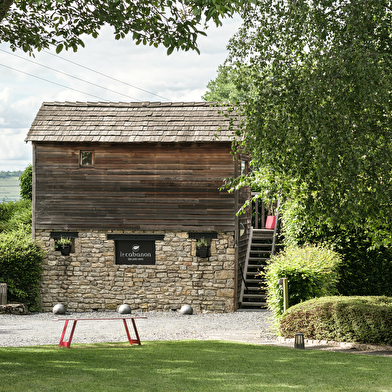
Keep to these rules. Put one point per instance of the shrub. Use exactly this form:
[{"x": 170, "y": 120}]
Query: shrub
[
  {"x": 365, "y": 270},
  {"x": 311, "y": 271},
  {"x": 342, "y": 319},
  {"x": 20, "y": 267},
  {"x": 14, "y": 214}
]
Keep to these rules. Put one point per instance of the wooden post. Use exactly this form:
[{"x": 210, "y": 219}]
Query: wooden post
[
  {"x": 3, "y": 293},
  {"x": 285, "y": 294},
  {"x": 34, "y": 186},
  {"x": 236, "y": 237}
]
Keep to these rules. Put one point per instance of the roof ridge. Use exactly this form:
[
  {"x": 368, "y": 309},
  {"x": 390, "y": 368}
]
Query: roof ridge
[{"x": 150, "y": 104}]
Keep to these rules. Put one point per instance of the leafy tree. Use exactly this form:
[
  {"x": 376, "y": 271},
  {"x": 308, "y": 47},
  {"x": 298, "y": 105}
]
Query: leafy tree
[
  {"x": 37, "y": 24},
  {"x": 26, "y": 183},
  {"x": 226, "y": 87},
  {"x": 319, "y": 124}
]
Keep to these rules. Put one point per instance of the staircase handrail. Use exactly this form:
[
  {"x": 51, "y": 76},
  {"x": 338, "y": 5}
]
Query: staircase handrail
[{"x": 246, "y": 263}]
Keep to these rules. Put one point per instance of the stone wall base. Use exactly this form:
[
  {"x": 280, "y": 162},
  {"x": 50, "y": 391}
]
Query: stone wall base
[
  {"x": 13, "y": 309},
  {"x": 89, "y": 279}
]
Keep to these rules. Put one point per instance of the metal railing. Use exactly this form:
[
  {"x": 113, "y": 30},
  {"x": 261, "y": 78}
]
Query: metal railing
[{"x": 260, "y": 211}]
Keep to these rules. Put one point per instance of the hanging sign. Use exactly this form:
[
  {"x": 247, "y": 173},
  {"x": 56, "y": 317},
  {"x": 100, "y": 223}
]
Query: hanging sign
[{"x": 135, "y": 252}]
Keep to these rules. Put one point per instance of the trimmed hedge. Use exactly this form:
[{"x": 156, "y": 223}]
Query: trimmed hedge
[
  {"x": 342, "y": 319},
  {"x": 311, "y": 271},
  {"x": 20, "y": 267}
]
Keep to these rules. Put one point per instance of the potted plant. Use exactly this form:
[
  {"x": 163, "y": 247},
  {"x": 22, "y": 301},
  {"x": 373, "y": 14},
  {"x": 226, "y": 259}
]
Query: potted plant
[
  {"x": 202, "y": 247},
  {"x": 64, "y": 245}
]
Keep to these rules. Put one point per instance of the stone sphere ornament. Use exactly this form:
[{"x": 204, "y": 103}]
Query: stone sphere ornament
[
  {"x": 59, "y": 309},
  {"x": 186, "y": 309},
  {"x": 124, "y": 309}
]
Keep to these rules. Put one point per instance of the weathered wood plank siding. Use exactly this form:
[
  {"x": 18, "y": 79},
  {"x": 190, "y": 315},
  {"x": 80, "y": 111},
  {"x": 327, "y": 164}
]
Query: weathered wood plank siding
[{"x": 138, "y": 186}]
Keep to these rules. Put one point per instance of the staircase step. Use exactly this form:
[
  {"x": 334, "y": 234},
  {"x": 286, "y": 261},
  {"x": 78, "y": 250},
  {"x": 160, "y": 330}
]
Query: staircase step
[
  {"x": 253, "y": 304},
  {"x": 255, "y": 296},
  {"x": 253, "y": 259},
  {"x": 253, "y": 273},
  {"x": 248, "y": 280},
  {"x": 265, "y": 256},
  {"x": 257, "y": 236}
]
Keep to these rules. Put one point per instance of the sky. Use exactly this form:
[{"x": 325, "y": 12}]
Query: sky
[{"x": 180, "y": 77}]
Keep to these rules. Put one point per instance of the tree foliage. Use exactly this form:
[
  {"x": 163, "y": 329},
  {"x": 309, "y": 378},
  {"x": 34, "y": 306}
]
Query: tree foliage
[
  {"x": 319, "y": 124},
  {"x": 176, "y": 24},
  {"x": 225, "y": 87},
  {"x": 26, "y": 183},
  {"x": 365, "y": 270},
  {"x": 8, "y": 174}
]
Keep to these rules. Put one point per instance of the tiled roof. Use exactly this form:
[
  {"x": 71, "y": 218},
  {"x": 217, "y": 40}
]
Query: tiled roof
[{"x": 130, "y": 122}]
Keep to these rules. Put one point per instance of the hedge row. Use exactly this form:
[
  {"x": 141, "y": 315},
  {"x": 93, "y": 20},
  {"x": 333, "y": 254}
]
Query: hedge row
[
  {"x": 20, "y": 267},
  {"x": 343, "y": 319}
]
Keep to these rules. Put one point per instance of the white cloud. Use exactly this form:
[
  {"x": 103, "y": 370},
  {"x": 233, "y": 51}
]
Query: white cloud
[
  {"x": 15, "y": 154},
  {"x": 181, "y": 76}
]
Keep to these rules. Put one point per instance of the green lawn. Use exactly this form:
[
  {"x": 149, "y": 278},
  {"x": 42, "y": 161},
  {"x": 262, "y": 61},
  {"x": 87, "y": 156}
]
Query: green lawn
[
  {"x": 9, "y": 189},
  {"x": 190, "y": 366}
]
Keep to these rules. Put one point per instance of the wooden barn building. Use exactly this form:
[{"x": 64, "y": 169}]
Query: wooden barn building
[{"x": 134, "y": 186}]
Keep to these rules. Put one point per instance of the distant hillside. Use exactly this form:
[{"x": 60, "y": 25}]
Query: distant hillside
[
  {"x": 8, "y": 174},
  {"x": 9, "y": 185}
]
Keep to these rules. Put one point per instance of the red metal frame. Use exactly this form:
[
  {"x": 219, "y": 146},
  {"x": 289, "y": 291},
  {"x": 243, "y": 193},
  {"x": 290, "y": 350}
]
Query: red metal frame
[{"x": 131, "y": 341}]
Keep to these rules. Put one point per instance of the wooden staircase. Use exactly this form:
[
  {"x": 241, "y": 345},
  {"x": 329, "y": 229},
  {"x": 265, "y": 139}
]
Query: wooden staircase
[{"x": 261, "y": 247}]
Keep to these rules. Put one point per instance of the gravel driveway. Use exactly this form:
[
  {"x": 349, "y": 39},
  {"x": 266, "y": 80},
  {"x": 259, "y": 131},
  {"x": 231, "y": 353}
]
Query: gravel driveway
[
  {"x": 252, "y": 327},
  {"x": 39, "y": 329}
]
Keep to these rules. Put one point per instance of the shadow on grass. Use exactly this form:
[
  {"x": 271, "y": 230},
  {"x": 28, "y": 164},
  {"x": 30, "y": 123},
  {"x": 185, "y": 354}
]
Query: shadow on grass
[{"x": 189, "y": 366}]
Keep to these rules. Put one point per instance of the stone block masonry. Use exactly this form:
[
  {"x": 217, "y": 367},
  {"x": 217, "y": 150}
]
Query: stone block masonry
[{"x": 89, "y": 279}]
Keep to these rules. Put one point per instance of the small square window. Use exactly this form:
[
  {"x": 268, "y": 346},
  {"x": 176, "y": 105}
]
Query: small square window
[
  {"x": 243, "y": 167},
  {"x": 87, "y": 158}
]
